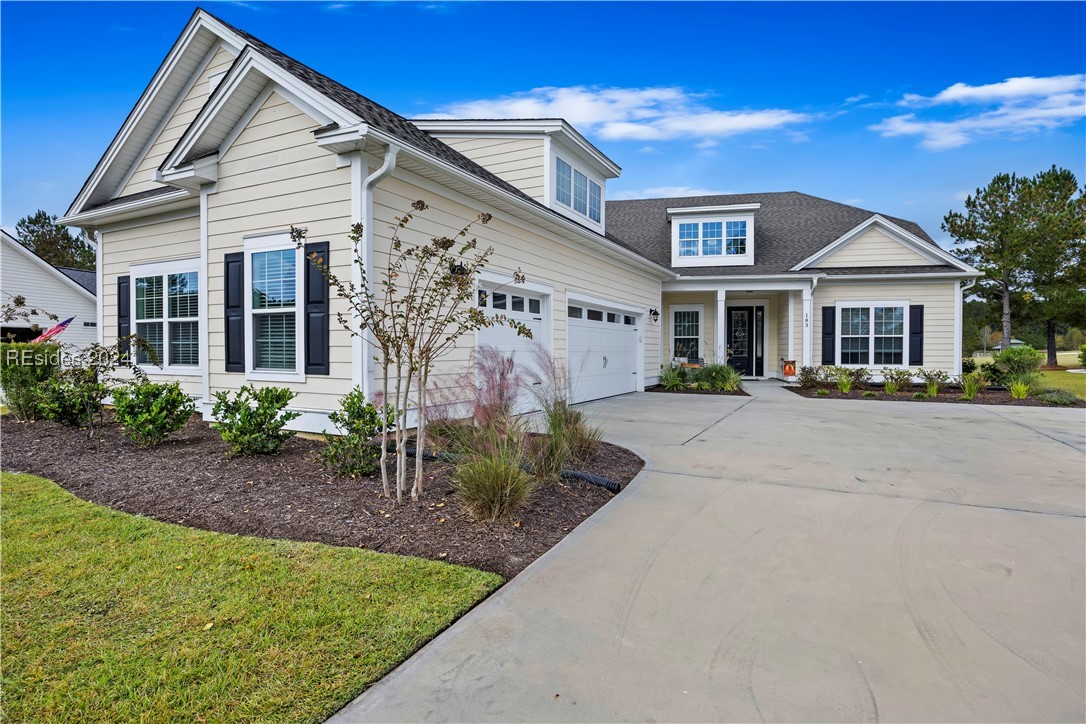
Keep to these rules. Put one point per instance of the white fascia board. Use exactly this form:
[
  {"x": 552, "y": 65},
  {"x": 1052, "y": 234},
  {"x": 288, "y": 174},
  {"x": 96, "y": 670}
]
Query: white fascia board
[
  {"x": 728, "y": 209},
  {"x": 524, "y": 126},
  {"x": 20, "y": 249},
  {"x": 926, "y": 249},
  {"x": 523, "y": 204},
  {"x": 739, "y": 284},
  {"x": 200, "y": 20},
  {"x": 96, "y": 217},
  {"x": 250, "y": 63},
  {"x": 918, "y": 277}
]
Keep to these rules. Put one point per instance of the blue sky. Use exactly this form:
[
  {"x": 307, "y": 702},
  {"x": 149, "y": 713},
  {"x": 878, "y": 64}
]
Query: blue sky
[{"x": 900, "y": 108}]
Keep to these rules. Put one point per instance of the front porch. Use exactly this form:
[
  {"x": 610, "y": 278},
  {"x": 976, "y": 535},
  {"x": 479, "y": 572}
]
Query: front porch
[{"x": 754, "y": 326}]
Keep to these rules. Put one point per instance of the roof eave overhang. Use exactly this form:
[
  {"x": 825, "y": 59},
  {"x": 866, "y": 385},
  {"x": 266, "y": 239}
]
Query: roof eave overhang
[{"x": 180, "y": 198}]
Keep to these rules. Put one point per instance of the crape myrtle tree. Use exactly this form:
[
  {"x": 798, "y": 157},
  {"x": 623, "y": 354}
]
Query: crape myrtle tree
[{"x": 414, "y": 313}]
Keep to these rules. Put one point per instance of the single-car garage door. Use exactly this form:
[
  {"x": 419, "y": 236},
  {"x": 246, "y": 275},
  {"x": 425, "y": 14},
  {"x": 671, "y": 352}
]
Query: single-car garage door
[{"x": 603, "y": 345}]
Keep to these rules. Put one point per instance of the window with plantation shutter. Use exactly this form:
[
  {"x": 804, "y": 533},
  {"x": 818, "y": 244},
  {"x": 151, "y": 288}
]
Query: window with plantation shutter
[
  {"x": 165, "y": 310},
  {"x": 274, "y": 309}
]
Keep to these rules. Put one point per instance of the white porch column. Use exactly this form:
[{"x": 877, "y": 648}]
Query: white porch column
[
  {"x": 720, "y": 327},
  {"x": 808, "y": 326},
  {"x": 791, "y": 326}
]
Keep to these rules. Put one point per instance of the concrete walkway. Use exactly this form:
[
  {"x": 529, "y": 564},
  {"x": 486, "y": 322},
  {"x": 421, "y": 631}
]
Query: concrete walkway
[{"x": 785, "y": 559}]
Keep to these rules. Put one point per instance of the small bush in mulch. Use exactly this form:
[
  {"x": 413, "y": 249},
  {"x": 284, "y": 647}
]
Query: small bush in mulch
[
  {"x": 949, "y": 395},
  {"x": 695, "y": 391},
  {"x": 191, "y": 479}
]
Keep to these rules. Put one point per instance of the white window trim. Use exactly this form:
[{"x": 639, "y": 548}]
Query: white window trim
[
  {"x": 700, "y": 309},
  {"x": 164, "y": 269},
  {"x": 569, "y": 210},
  {"x": 721, "y": 259},
  {"x": 904, "y": 304},
  {"x": 275, "y": 242}
]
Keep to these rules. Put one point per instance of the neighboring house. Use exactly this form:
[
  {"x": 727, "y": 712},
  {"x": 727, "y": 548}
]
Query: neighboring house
[
  {"x": 233, "y": 142},
  {"x": 54, "y": 290}
]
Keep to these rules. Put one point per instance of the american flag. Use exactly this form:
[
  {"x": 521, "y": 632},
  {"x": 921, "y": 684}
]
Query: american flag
[{"x": 54, "y": 331}]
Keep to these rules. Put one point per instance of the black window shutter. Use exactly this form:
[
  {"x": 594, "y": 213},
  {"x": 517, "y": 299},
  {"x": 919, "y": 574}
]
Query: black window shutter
[
  {"x": 916, "y": 335},
  {"x": 234, "y": 277},
  {"x": 829, "y": 335},
  {"x": 124, "y": 316},
  {"x": 317, "y": 351}
]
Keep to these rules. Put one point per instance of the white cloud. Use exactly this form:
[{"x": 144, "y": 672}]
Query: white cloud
[
  {"x": 628, "y": 114},
  {"x": 706, "y": 143},
  {"x": 664, "y": 192},
  {"x": 1013, "y": 108},
  {"x": 650, "y": 150},
  {"x": 1009, "y": 90},
  {"x": 856, "y": 98}
]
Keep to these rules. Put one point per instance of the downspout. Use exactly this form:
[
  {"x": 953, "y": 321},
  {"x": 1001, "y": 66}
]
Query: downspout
[{"x": 366, "y": 254}]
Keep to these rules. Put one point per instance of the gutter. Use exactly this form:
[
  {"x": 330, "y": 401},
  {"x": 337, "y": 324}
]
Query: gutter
[
  {"x": 365, "y": 254},
  {"x": 89, "y": 218}
]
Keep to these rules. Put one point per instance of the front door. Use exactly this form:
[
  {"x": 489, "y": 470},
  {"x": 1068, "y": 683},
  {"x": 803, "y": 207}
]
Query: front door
[{"x": 744, "y": 340}]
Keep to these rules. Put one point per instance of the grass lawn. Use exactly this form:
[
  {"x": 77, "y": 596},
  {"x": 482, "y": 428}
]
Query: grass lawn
[
  {"x": 109, "y": 616},
  {"x": 1066, "y": 381}
]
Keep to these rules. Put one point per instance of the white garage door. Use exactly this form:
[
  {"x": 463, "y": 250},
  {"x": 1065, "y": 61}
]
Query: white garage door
[
  {"x": 603, "y": 348},
  {"x": 526, "y": 308}
]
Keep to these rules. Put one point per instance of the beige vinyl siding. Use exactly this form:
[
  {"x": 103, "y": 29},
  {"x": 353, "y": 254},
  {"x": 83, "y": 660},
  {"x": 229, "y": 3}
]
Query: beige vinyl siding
[
  {"x": 782, "y": 335},
  {"x": 937, "y": 297},
  {"x": 708, "y": 321},
  {"x": 874, "y": 248},
  {"x": 153, "y": 241},
  {"x": 541, "y": 259},
  {"x": 143, "y": 179},
  {"x": 274, "y": 177},
  {"x": 520, "y": 161},
  {"x": 47, "y": 290}
]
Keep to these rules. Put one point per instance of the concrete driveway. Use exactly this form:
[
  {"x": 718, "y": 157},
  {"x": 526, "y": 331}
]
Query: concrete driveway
[{"x": 785, "y": 559}]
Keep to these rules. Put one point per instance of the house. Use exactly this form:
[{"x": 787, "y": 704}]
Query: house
[
  {"x": 233, "y": 143},
  {"x": 53, "y": 290}
]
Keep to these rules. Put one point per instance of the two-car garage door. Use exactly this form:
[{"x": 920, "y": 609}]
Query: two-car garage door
[
  {"x": 603, "y": 351},
  {"x": 603, "y": 342}
]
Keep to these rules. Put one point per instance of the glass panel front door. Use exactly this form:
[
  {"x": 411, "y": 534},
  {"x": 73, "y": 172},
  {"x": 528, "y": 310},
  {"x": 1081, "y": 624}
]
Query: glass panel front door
[{"x": 740, "y": 348}]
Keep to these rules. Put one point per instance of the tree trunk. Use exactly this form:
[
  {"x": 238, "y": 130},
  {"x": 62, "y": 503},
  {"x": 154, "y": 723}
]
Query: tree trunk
[
  {"x": 384, "y": 429},
  {"x": 420, "y": 436},
  {"x": 1050, "y": 337},
  {"x": 1006, "y": 341}
]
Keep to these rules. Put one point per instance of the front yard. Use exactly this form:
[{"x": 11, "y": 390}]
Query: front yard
[{"x": 109, "y": 616}]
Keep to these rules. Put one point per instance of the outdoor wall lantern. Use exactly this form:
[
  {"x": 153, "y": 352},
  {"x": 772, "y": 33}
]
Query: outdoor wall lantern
[{"x": 655, "y": 314}]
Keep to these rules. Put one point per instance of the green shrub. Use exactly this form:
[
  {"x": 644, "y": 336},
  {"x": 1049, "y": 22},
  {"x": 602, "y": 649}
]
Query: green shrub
[
  {"x": 968, "y": 365},
  {"x": 492, "y": 482},
  {"x": 1019, "y": 389},
  {"x": 994, "y": 374},
  {"x": 720, "y": 378},
  {"x": 252, "y": 421},
  {"x": 24, "y": 368},
  {"x": 73, "y": 397},
  {"x": 972, "y": 384},
  {"x": 921, "y": 395},
  {"x": 808, "y": 378},
  {"x": 149, "y": 411},
  {"x": 1019, "y": 360},
  {"x": 823, "y": 393},
  {"x": 672, "y": 379},
  {"x": 828, "y": 374},
  {"x": 870, "y": 393},
  {"x": 896, "y": 379},
  {"x": 934, "y": 381},
  {"x": 1059, "y": 397},
  {"x": 1082, "y": 356},
  {"x": 861, "y": 377},
  {"x": 355, "y": 451},
  {"x": 844, "y": 381},
  {"x": 1032, "y": 381}
]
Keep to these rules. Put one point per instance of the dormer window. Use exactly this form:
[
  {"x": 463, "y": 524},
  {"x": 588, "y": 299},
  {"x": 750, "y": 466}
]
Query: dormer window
[
  {"x": 712, "y": 236},
  {"x": 575, "y": 190}
]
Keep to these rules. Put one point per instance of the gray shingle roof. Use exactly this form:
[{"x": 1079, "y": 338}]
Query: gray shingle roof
[
  {"x": 789, "y": 227},
  {"x": 86, "y": 278}
]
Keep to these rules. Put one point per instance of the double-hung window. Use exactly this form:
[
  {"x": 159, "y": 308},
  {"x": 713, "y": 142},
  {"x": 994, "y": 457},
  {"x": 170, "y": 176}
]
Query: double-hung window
[
  {"x": 708, "y": 239},
  {"x": 575, "y": 190},
  {"x": 686, "y": 331},
  {"x": 166, "y": 300},
  {"x": 273, "y": 315},
  {"x": 872, "y": 333},
  {"x": 736, "y": 239}
]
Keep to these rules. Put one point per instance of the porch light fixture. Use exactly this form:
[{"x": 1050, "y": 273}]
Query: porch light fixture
[{"x": 655, "y": 314}]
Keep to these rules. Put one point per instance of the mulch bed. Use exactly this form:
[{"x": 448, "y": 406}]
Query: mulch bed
[
  {"x": 190, "y": 479},
  {"x": 688, "y": 391},
  {"x": 986, "y": 397}
]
